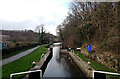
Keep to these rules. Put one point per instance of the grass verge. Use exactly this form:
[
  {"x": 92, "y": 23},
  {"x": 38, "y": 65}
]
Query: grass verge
[
  {"x": 83, "y": 57},
  {"x": 96, "y": 65},
  {"x": 22, "y": 64}
]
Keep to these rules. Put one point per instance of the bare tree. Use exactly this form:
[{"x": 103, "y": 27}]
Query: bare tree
[{"x": 40, "y": 29}]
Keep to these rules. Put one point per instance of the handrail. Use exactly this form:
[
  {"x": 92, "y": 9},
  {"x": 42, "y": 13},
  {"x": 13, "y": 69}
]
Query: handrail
[
  {"x": 26, "y": 73},
  {"x": 104, "y": 73}
]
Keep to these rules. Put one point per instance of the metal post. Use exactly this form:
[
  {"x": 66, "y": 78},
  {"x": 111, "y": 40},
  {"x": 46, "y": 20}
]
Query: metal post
[{"x": 41, "y": 74}]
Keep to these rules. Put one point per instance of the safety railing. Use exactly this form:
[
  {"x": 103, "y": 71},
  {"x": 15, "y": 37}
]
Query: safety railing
[{"x": 27, "y": 72}]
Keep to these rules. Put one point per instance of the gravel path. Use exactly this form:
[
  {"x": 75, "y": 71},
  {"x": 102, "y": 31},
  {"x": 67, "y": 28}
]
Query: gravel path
[{"x": 18, "y": 56}]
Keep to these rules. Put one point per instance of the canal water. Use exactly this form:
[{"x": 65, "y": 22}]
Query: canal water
[{"x": 59, "y": 67}]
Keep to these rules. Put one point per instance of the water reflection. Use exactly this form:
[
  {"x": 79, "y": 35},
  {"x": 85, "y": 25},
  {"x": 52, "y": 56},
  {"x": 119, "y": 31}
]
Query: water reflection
[{"x": 60, "y": 67}]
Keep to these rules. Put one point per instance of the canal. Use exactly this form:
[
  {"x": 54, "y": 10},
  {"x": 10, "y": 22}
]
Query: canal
[{"x": 60, "y": 67}]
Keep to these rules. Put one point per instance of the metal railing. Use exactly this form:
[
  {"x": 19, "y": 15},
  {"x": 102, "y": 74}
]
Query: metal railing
[
  {"x": 104, "y": 73},
  {"x": 11, "y": 75}
]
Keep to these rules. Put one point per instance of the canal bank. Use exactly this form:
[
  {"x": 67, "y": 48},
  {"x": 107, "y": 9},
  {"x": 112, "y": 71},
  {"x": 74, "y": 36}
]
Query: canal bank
[
  {"x": 55, "y": 65},
  {"x": 41, "y": 65},
  {"x": 83, "y": 66},
  {"x": 60, "y": 67}
]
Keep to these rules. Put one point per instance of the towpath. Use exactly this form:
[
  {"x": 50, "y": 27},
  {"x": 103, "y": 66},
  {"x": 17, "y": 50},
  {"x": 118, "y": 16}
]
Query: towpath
[{"x": 18, "y": 56}]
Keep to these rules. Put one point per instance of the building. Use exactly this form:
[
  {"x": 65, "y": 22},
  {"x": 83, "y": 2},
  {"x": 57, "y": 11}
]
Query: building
[
  {"x": 4, "y": 38},
  {"x": 3, "y": 41}
]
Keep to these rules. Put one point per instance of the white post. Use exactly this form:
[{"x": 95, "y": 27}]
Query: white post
[
  {"x": 41, "y": 74},
  {"x": 93, "y": 74}
]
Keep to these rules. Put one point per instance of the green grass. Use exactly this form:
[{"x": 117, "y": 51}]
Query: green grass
[
  {"x": 100, "y": 67},
  {"x": 22, "y": 64},
  {"x": 46, "y": 45},
  {"x": 82, "y": 56},
  {"x": 14, "y": 53},
  {"x": 96, "y": 65},
  {"x": 17, "y": 52}
]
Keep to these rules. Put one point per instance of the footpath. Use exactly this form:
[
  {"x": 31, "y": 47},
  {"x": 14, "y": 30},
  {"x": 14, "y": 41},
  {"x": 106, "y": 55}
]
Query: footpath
[{"x": 18, "y": 56}]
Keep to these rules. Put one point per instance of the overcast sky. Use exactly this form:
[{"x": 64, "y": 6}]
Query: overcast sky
[{"x": 27, "y": 14}]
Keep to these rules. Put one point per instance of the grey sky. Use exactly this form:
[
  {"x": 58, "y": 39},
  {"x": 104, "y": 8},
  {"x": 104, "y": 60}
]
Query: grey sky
[{"x": 27, "y": 14}]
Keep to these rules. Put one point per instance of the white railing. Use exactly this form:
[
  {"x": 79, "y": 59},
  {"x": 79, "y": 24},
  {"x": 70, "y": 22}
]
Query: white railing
[
  {"x": 11, "y": 75},
  {"x": 104, "y": 73}
]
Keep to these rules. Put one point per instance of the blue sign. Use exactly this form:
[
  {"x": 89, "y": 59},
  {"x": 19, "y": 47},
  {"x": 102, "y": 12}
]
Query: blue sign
[
  {"x": 0, "y": 45},
  {"x": 89, "y": 47}
]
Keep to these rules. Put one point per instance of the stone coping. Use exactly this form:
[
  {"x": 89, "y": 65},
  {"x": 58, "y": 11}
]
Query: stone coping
[{"x": 84, "y": 67}]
